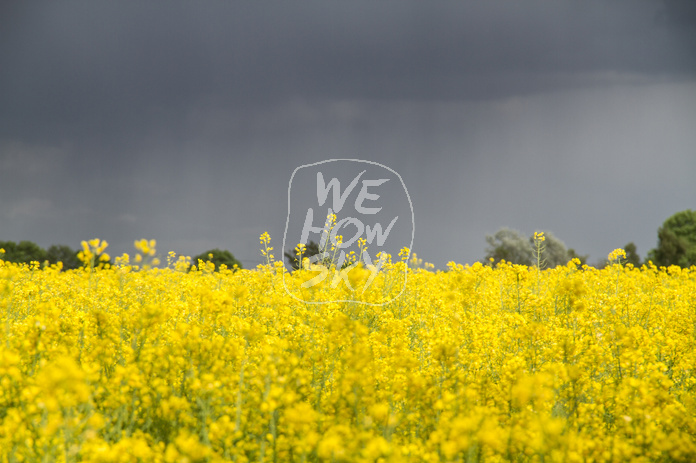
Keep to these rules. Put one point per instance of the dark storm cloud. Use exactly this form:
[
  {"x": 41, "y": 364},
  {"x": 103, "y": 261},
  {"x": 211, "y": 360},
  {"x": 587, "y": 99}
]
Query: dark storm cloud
[
  {"x": 680, "y": 13},
  {"x": 103, "y": 69},
  {"x": 183, "y": 121}
]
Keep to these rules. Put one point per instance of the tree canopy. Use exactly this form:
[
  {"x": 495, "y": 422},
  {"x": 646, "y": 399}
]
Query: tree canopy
[
  {"x": 28, "y": 251},
  {"x": 65, "y": 254},
  {"x": 676, "y": 241},
  {"x": 632, "y": 256},
  {"x": 218, "y": 257},
  {"x": 22, "y": 252},
  {"x": 311, "y": 249},
  {"x": 511, "y": 246}
]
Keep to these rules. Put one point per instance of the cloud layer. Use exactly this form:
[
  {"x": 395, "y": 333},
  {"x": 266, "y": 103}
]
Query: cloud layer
[{"x": 183, "y": 121}]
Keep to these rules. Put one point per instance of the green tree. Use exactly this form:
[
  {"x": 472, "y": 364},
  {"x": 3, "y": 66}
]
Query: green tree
[
  {"x": 632, "y": 256},
  {"x": 311, "y": 249},
  {"x": 65, "y": 254},
  {"x": 676, "y": 241},
  {"x": 509, "y": 245},
  {"x": 22, "y": 252},
  {"x": 572, "y": 254},
  {"x": 218, "y": 257}
]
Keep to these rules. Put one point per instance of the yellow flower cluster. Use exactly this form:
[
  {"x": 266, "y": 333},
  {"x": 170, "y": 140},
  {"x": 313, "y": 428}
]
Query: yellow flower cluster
[
  {"x": 616, "y": 255},
  {"x": 475, "y": 363},
  {"x": 93, "y": 252}
]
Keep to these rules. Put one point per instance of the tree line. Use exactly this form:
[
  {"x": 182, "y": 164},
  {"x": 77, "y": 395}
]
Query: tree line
[
  {"x": 28, "y": 251},
  {"x": 676, "y": 245}
]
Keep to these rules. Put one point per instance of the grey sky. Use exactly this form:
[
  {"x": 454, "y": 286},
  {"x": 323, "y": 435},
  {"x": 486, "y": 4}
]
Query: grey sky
[{"x": 183, "y": 121}]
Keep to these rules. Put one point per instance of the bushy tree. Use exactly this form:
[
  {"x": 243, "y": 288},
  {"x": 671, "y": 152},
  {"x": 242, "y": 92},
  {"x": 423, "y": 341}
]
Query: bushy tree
[
  {"x": 632, "y": 256},
  {"x": 22, "y": 252},
  {"x": 218, "y": 257},
  {"x": 27, "y": 251},
  {"x": 65, "y": 254},
  {"x": 676, "y": 241},
  {"x": 311, "y": 249},
  {"x": 572, "y": 254},
  {"x": 509, "y": 245}
]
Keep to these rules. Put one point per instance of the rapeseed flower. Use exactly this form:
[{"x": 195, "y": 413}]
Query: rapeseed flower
[{"x": 476, "y": 363}]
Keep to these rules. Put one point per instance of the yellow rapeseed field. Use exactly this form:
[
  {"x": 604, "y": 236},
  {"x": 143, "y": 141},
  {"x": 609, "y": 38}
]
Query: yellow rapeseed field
[{"x": 135, "y": 362}]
